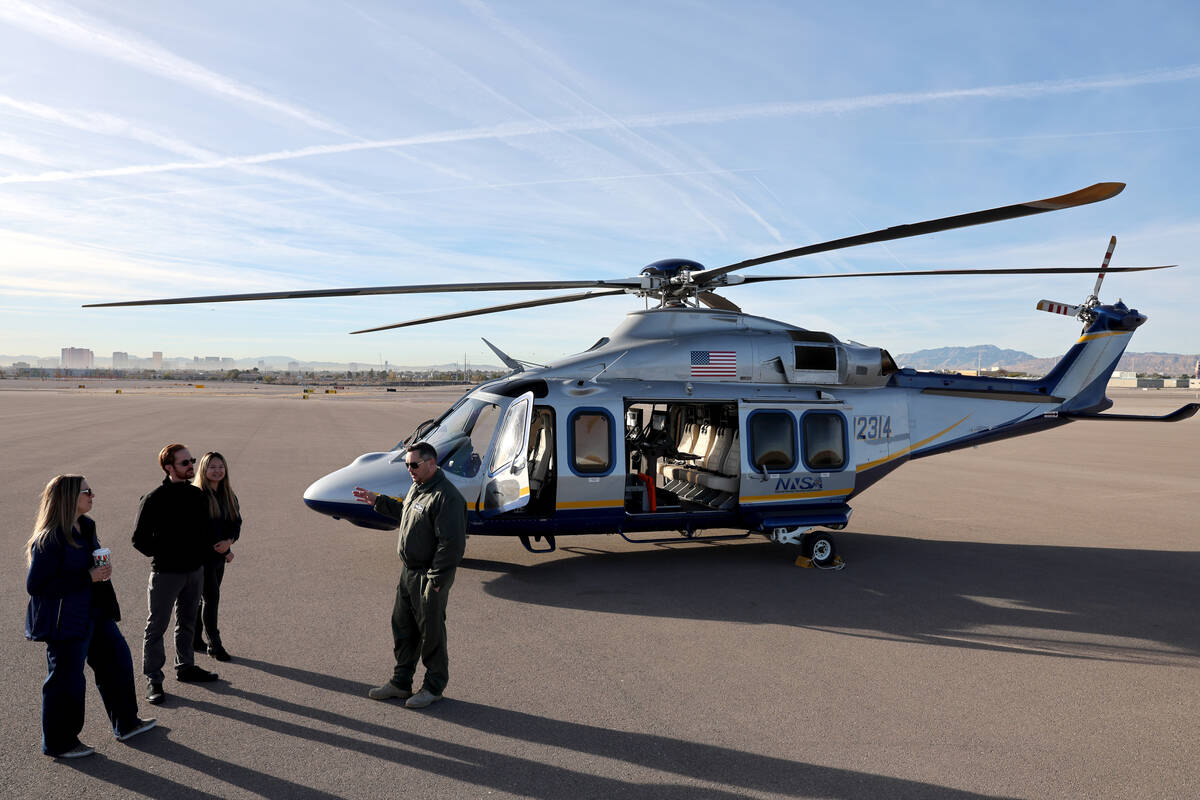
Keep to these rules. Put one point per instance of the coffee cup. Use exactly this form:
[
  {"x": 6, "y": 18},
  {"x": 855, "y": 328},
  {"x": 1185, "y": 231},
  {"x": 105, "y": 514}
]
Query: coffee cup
[{"x": 102, "y": 557}]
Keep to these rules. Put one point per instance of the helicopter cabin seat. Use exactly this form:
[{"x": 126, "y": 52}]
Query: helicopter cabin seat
[
  {"x": 715, "y": 482},
  {"x": 687, "y": 441},
  {"x": 675, "y": 474},
  {"x": 541, "y": 452},
  {"x": 678, "y": 474},
  {"x": 713, "y": 461},
  {"x": 728, "y": 476},
  {"x": 698, "y": 448}
]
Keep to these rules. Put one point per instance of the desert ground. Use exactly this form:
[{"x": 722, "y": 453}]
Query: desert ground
[{"x": 1016, "y": 620}]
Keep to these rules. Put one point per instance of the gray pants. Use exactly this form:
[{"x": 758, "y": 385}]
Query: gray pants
[{"x": 167, "y": 592}]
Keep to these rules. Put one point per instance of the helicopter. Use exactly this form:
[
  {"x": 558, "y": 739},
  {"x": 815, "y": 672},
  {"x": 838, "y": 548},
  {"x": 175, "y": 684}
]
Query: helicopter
[{"x": 695, "y": 416}]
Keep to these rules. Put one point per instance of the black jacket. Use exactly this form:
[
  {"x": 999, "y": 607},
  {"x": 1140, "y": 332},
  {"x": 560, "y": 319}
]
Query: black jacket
[
  {"x": 173, "y": 527},
  {"x": 62, "y": 596},
  {"x": 223, "y": 528}
]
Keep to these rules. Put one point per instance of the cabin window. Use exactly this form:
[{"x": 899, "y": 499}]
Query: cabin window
[
  {"x": 824, "y": 441},
  {"x": 816, "y": 358},
  {"x": 591, "y": 441},
  {"x": 508, "y": 444},
  {"x": 772, "y": 440}
]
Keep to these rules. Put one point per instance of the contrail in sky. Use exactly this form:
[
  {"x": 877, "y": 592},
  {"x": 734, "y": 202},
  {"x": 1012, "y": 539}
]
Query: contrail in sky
[
  {"x": 666, "y": 119},
  {"x": 89, "y": 35}
]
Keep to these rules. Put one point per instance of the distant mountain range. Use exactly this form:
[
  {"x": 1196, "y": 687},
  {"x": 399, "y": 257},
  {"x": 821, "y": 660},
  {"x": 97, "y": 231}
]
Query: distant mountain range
[{"x": 989, "y": 356}]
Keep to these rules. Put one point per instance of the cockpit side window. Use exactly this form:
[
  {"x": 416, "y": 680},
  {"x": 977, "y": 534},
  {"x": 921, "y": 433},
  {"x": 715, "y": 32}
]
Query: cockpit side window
[
  {"x": 510, "y": 438},
  {"x": 464, "y": 435}
]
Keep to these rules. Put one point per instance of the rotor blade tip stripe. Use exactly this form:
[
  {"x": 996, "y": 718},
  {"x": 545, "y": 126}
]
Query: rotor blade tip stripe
[{"x": 1091, "y": 194}]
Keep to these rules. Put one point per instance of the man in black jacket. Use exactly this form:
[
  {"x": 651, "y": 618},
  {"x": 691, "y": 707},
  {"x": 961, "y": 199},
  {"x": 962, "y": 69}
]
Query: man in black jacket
[{"x": 174, "y": 529}]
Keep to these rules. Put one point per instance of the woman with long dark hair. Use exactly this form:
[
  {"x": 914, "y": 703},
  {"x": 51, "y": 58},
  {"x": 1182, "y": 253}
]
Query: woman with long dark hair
[
  {"x": 73, "y": 609},
  {"x": 212, "y": 475}
]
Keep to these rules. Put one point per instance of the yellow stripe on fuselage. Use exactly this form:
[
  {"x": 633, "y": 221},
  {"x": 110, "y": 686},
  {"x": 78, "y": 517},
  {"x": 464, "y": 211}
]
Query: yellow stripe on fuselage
[
  {"x": 908, "y": 449},
  {"x": 1091, "y": 336}
]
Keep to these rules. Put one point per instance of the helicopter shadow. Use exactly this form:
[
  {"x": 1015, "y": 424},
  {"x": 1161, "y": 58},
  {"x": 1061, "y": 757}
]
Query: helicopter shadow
[{"x": 1095, "y": 603}]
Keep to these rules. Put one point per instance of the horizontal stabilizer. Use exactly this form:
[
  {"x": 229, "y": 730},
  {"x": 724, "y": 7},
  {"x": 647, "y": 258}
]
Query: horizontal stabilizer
[
  {"x": 1058, "y": 308},
  {"x": 1178, "y": 415}
]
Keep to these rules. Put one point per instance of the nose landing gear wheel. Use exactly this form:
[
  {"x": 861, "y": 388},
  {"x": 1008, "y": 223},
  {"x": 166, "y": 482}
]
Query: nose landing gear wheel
[{"x": 818, "y": 546}]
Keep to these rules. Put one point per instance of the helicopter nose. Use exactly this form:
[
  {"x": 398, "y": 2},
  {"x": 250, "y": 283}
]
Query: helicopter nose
[{"x": 333, "y": 495}]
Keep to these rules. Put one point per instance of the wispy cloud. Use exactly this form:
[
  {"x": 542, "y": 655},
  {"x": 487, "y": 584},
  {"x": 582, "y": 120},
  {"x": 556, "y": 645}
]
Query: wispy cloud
[
  {"x": 73, "y": 29},
  {"x": 667, "y": 119},
  {"x": 565, "y": 79},
  {"x": 106, "y": 124},
  {"x": 1052, "y": 136},
  {"x": 844, "y": 105}
]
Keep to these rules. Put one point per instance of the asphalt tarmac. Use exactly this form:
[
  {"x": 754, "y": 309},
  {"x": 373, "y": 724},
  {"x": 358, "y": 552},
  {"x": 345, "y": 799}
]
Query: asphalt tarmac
[{"x": 1017, "y": 620}]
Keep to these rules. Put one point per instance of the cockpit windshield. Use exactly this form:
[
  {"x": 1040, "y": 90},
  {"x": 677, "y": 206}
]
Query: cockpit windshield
[{"x": 462, "y": 436}]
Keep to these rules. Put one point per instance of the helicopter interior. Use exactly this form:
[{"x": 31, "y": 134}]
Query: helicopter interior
[
  {"x": 681, "y": 456},
  {"x": 678, "y": 456}
]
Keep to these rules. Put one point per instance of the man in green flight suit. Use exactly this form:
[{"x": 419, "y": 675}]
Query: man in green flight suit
[{"x": 433, "y": 536}]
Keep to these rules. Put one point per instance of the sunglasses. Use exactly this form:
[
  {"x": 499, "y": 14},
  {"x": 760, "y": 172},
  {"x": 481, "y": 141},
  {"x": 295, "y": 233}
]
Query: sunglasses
[
  {"x": 186, "y": 462},
  {"x": 415, "y": 464},
  {"x": 88, "y": 492}
]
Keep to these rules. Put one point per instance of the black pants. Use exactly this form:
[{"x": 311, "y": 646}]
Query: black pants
[
  {"x": 104, "y": 649},
  {"x": 210, "y": 602},
  {"x": 419, "y": 630}
]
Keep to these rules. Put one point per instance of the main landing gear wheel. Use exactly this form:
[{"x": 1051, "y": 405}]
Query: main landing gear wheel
[{"x": 818, "y": 546}]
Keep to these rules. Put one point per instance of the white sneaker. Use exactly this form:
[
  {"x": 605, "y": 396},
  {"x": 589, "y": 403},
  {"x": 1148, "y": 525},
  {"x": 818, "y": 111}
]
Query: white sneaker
[{"x": 422, "y": 699}]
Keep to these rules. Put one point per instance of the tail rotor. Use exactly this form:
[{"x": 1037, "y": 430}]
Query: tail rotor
[{"x": 1084, "y": 311}]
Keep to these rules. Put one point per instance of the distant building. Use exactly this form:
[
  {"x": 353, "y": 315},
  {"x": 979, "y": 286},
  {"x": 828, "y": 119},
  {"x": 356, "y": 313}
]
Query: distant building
[
  {"x": 48, "y": 363},
  {"x": 157, "y": 359},
  {"x": 293, "y": 366},
  {"x": 120, "y": 360},
  {"x": 78, "y": 358},
  {"x": 214, "y": 361},
  {"x": 20, "y": 365},
  {"x": 262, "y": 365}
]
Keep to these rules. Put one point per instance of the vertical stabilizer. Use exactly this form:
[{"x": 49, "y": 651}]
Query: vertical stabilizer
[{"x": 1083, "y": 373}]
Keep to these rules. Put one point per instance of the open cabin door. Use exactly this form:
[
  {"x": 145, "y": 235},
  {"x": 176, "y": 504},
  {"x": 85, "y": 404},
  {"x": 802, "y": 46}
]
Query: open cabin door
[{"x": 506, "y": 484}]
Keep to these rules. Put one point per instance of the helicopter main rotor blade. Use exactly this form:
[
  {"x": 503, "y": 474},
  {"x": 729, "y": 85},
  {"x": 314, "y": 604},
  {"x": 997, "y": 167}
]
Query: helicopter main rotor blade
[
  {"x": 1091, "y": 194},
  {"x": 501, "y": 286},
  {"x": 568, "y": 298},
  {"x": 714, "y": 300},
  {"x": 999, "y": 271}
]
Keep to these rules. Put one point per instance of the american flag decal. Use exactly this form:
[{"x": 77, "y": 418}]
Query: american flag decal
[{"x": 714, "y": 363}]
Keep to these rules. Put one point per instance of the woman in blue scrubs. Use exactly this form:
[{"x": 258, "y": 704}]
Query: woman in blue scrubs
[{"x": 73, "y": 609}]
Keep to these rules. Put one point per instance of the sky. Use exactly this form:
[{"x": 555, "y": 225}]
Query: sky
[{"x": 172, "y": 149}]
